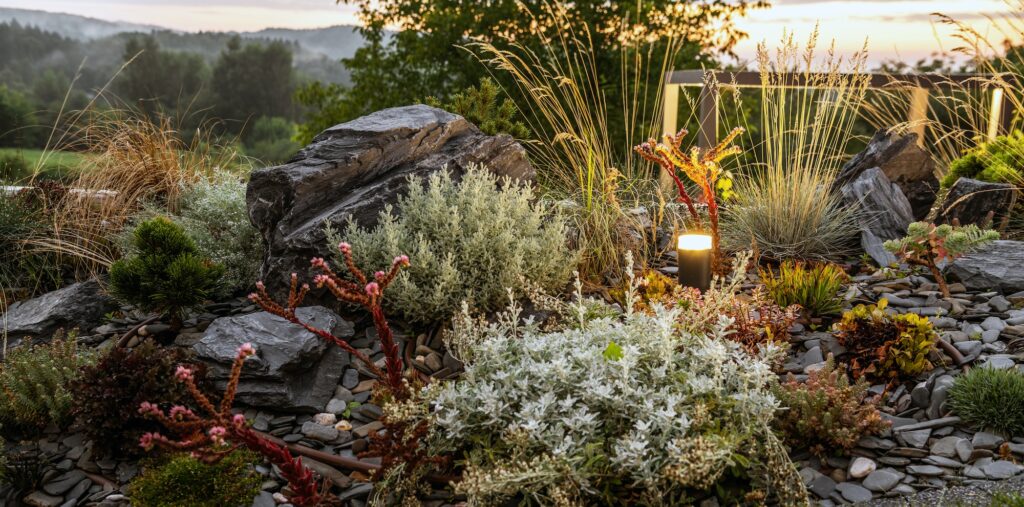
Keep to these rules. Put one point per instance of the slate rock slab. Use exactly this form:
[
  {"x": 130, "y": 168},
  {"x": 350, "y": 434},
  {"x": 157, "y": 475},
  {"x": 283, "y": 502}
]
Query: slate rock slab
[
  {"x": 353, "y": 170},
  {"x": 904, "y": 162},
  {"x": 998, "y": 265},
  {"x": 970, "y": 201},
  {"x": 81, "y": 305},
  {"x": 293, "y": 369},
  {"x": 885, "y": 212}
]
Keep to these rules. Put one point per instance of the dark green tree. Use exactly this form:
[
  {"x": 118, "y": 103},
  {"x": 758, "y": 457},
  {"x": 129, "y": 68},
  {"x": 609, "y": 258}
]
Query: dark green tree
[
  {"x": 425, "y": 56},
  {"x": 253, "y": 80},
  {"x": 159, "y": 81},
  {"x": 164, "y": 271},
  {"x": 17, "y": 119}
]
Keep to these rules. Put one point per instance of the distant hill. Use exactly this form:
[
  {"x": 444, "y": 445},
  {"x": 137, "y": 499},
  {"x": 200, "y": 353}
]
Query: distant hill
[
  {"x": 336, "y": 42},
  {"x": 71, "y": 25}
]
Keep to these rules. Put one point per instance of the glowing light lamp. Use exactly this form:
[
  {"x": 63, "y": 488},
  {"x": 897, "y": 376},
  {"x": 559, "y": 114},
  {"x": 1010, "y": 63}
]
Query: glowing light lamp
[{"x": 693, "y": 256}]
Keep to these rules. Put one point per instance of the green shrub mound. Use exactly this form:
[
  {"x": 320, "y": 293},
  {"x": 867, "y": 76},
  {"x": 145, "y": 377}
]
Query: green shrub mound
[
  {"x": 470, "y": 240},
  {"x": 34, "y": 382},
  {"x": 1000, "y": 160},
  {"x": 480, "y": 106},
  {"x": 165, "y": 273},
  {"x": 185, "y": 481},
  {"x": 614, "y": 411},
  {"x": 108, "y": 395},
  {"x": 814, "y": 287},
  {"x": 990, "y": 399}
]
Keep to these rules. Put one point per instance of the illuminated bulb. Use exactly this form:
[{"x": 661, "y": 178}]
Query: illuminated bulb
[{"x": 694, "y": 242}]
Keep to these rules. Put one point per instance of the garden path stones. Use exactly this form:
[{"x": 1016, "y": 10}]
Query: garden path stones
[
  {"x": 80, "y": 305},
  {"x": 293, "y": 370},
  {"x": 355, "y": 169}
]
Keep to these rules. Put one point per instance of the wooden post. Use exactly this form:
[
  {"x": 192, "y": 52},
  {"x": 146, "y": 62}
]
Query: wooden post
[
  {"x": 918, "y": 113},
  {"x": 670, "y": 109},
  {"x": 996, "y": 116},
  {"x": 707, "y": 136}
]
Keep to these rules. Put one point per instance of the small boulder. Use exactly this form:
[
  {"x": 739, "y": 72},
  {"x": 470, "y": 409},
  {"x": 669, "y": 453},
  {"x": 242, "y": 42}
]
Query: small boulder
[
  {"x": 971, "y": 201},
  {"x": 293, "y": 369},
  {"x": 995, "y": 266},
  {"x": 904, "y": 162},
  {"x": 885, "y": 212},
  {"x": 81, "y": 305}
]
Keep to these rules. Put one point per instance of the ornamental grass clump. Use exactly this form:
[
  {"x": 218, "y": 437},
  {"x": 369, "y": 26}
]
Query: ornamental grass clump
[
  {"x": 185, "y": 480},
  {"x": 990, "y": 399},
  {"x": 468, "y": 240},
  {"x": 34, "y": 382},
  {"x": 827, "y": 413},
  {"x": 815, "y": 287},
  {"x": 618, "y": 410},
  {"x": 165, "y": 273},
  {"x": 928, "y": 244},
  {"x": 884, "y": 346}
]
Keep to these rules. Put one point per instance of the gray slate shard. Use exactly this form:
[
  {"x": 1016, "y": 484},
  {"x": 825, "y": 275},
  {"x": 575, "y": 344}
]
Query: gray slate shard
[
  {"x": 293, "y": 369},
  {"x": 904, "y": 162},
  {"x": 998, "y": 265},
  {"x": 884, "y": 214},
  {"x": 970, "y": 202},
  {"x": 355, "y": 169},
  {"x": 81, "y": 305}
]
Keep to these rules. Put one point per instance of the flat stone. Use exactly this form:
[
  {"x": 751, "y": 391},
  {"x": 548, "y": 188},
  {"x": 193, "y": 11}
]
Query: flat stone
[
  {"x": 964, "y": 450},
  {"x": 860, "y": 467},
  {"x": 915, "y": 438},
  {"x": 946, "y": 446},
  {"x": 985, "y": 440},
  {"x": 40, "y": 499},
  {"x": 64, "y": 482},
  {"x": 853, "y": 492},
  {"x": 993, "y": 324},
  {"x": 883, "y": 480},
  {"x": 996, "y": 265},
  {"x": 931, "y": 423},
  {"x": 1001, "y": 469},
  {"x": 319, "y": 432},
  {"x": 822, "y": 486},
  {"x": 366, "y": 429},
  {"x": 925, "y": 470}
]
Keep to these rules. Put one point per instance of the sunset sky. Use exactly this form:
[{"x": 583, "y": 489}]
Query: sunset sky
[{"x": 894, "y": 28}]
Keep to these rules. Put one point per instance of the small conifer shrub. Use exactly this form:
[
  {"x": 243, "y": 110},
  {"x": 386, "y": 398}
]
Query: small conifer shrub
[
  {"x": 165, "y": 272},
  {"x": 990, "y": 399},
  {"x": 185, "y": 480},
  {"x": 826, "y": 413},
  {"x": 928, "y": 244},
  {"x": 480, "y": 106}
]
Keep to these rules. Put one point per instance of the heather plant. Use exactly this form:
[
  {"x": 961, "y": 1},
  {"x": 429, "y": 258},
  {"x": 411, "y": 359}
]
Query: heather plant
[
  {"x": 185, "y": 480},
  {"x": 634, "y": 412},
  {"x": 928, "y": 244},
  {"x": 34, "y": 382},
  {"x": 213, "y": 213},
  {"x": 108, "y": 394},
  {"x": 990, "y": 399},
  {"x": 468, "y": 241},
  {"x": 165, "y": 273},
  {"x": 885, "y": 346},
  {"x": 814, "y": 287},
  {"x": 480, "y": 106},
  {"x": 827, "y": 413},
  {"x": 703, "y": 169}
]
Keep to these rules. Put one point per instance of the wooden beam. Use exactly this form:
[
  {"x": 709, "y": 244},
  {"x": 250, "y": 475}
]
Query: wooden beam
[
  {"x": 670, "y": 110},
  {"x": 918, "y": 113},
  {"x": 995, "y": 117},
  {"x": 801, "y": 80}
]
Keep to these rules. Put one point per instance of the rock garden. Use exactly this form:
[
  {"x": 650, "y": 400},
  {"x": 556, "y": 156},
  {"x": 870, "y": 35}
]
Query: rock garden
[{"x": 413, "y": 311}]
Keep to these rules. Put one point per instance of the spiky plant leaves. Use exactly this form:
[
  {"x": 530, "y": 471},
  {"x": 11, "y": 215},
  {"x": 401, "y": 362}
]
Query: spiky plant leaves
[{"x": 990, "y": 399}]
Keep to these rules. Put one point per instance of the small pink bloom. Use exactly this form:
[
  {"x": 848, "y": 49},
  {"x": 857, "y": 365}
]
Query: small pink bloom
[
  {"x": 320, "y": 280},
  {"x": 318, "y": 262},
  {"x": 402, "y": 260},
  {"x": 147, "y": 440},
  {"x": 217, "y": 434},
  {"x": 344, "y": 247},
  {"x": 260, "y": 286},
  {"x": 238, "y": 420},
  {"x": 183, "y": 373},
  {"x": 253, "y": 297},
  {"x": 379, "y": 275},
  {"x": 179, "y": 412},
  {"x": 246, "y": 350},
  {"x": 146, "y": 408},
  {"x": 372, "y": 289}
]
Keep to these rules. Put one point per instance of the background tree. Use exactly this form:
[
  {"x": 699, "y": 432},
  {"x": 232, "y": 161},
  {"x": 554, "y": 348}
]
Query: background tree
[
  {"x": 158, "y": 80},
  {"x": 253, "y": 80}
]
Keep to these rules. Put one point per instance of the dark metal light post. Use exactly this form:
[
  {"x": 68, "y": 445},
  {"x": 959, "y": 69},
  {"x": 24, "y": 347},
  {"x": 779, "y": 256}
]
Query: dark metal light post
[{"x": 693, "y": 256}]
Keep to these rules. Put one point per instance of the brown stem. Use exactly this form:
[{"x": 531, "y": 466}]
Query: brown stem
[{"x": 125, "y": 338}]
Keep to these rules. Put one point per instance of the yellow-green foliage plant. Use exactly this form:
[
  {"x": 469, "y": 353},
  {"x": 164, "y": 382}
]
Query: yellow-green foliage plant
[
  {"x": 885, "y": 346},
  {"x": 784, "y": 204},
  {"x": 928, "y": 244},
  {"x": 826, "y": 414},
  {"x": 815, "y": 287},
  {"x": 34, "y": 382},
  {"x": 185, "y": 480}
]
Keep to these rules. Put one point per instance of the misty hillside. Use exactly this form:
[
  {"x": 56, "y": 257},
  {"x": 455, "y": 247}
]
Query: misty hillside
[{"x": 70, "y": 25}]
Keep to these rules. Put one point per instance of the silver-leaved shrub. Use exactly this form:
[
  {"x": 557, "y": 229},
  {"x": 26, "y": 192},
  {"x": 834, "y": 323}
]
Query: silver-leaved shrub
[
  {"x": 467, "y": 240},
  {"x": 625, "y": 410}
]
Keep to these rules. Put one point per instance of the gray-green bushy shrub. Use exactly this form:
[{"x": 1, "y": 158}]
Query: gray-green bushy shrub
[
  {"x": 990, "y": 399},
  {"x": 467, "y": 240},
  {"x": 34, "y": 382}
]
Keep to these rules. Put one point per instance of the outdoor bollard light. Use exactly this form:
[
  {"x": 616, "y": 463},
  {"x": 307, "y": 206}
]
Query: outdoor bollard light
[{"x": 693, "y": 256}]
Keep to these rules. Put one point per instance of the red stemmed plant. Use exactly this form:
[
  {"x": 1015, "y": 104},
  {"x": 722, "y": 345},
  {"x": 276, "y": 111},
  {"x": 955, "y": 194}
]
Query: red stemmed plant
[
  {"x": 220, "y": 433},
  {"x": 399, "y": 442},
  {"x": 702, "y": 168}
]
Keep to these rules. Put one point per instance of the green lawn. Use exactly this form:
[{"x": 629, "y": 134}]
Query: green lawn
[{"x": 19, "y": 164}]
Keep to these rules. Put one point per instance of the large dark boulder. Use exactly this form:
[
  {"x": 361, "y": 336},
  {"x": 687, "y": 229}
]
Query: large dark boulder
[
  {"x": 996, "y": 266},
  {"x": 293, "y": 369},
  {"x": 884, "y": 212},
  {"x": 972, "y": 201},
  {"x": 82, "y": 305},
  {"x": 354, "y": 169},
  {"x": 904, "y": 162}
]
